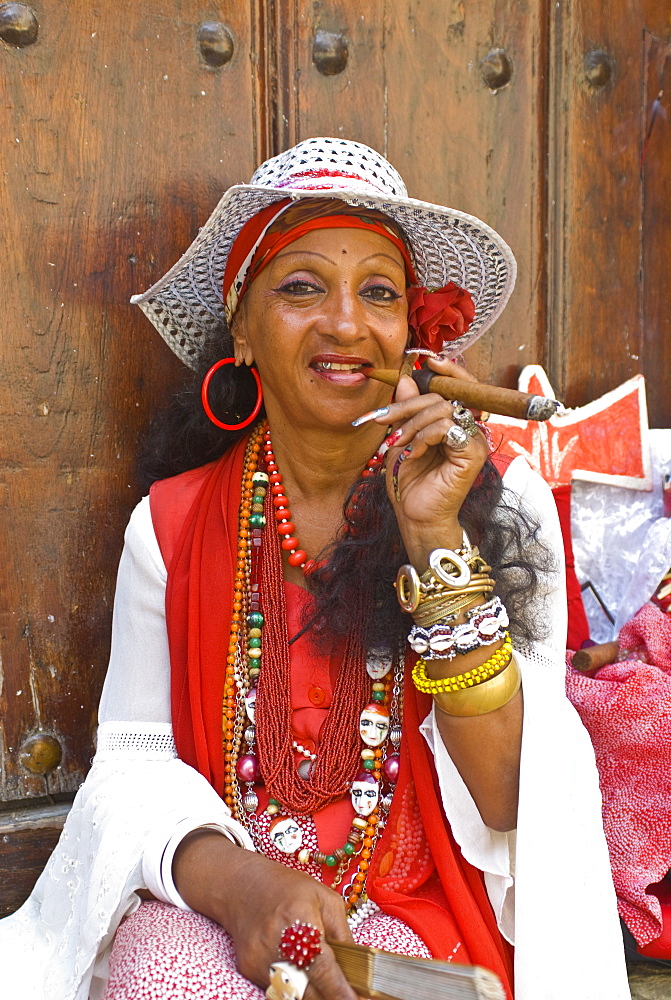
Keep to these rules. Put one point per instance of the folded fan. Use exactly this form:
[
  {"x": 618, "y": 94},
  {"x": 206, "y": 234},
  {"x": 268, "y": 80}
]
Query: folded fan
[{"x": 381, "y": 975}]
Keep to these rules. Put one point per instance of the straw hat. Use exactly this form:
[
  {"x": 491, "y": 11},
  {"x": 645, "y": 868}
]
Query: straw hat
[{"x": 186, "y": 305}]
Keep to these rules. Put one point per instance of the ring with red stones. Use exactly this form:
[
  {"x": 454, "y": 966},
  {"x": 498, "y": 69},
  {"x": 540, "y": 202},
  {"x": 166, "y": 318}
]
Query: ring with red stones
[{"x": 300, "y": 944}]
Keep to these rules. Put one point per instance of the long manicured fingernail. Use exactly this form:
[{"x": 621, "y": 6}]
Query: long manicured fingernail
[
  {"x": 394, "y": 475},
  {"x": 389, "y": 442},
  {"x": 371, "y": 415}
]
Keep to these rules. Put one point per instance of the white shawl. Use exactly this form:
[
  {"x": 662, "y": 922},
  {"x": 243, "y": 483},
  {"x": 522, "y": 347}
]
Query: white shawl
[{"x": 549, "y": 882}]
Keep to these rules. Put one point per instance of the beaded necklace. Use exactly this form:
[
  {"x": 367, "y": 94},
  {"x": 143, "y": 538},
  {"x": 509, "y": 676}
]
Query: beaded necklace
[{"x": 258, "y": 742}]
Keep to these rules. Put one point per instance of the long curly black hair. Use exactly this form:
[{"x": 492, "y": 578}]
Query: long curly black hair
[{"x": 359, "y": 567}]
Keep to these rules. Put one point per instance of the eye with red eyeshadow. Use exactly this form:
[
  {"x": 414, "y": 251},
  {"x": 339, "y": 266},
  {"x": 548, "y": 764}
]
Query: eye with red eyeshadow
[
  {"x": 376, "y": 292},
  {"x": 298, "y": 286},
  {"x": 380, "y": 293}
]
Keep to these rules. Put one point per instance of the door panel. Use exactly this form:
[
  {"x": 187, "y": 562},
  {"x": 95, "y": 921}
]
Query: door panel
[
  {"x": 453, "y": 94},
  {"x": 121, "y": 125},
  {"x": 609, "y": 219},
  {"x": 118, "y": 138},
  {"x": 655, "y": 351}
]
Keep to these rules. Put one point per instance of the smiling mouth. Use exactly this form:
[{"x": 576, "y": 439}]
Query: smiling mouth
[{"x": 332, "y": 366}]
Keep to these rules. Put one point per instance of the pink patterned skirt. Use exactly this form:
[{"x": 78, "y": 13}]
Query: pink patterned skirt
[{"x": 162, "y": 953}]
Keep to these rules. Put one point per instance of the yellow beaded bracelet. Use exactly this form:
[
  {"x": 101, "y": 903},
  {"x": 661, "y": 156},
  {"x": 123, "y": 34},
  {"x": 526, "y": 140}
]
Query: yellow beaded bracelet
[
  {"x": 496, "y": 663},
  {"x": 484, "y": 698}
]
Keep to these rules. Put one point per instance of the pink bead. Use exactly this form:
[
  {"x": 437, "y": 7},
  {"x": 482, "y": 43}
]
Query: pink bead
[
  {"x": 247, "y": 768},
  {"x": 390, "y": 769}
]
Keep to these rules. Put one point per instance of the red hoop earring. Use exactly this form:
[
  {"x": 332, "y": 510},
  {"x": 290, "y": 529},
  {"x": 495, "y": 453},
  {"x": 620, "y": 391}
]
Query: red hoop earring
[{"x": 206, "y": 403}]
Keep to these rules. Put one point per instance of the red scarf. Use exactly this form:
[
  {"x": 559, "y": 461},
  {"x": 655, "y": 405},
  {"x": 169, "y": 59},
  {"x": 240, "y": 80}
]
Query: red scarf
[
  {"x": 279, "y": 225},
  {"x": 195, "y": 517}
]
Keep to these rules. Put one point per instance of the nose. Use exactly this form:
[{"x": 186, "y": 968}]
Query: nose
[{"x": 343, "y": 319}]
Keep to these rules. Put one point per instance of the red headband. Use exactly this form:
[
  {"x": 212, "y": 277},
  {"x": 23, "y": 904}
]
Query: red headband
[{"x": 263, "y": 237}]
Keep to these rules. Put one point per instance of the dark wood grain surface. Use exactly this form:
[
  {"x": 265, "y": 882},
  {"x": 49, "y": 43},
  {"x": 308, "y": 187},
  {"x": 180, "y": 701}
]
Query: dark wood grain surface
[
  {"x": 117, "y": 138},
  {"x": 117, "y": 141},
  {"x": 27, "y": 838},
  {"x": 608, "y": 228}
]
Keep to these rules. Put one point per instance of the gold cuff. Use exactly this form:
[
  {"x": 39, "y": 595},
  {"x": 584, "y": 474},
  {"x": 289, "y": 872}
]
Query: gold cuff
[
  {"x": 435, "y": 609},
  {"x": 442, "y": 611},
  {"x": 485, "y": 697}
]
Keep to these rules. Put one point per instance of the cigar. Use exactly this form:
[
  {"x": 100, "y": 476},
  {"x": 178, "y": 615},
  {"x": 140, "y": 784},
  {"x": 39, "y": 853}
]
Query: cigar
[
  {"x": 594, "y": 657},
  {"x": 475, "y": 395}
]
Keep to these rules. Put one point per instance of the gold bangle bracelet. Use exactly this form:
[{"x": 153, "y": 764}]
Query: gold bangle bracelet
[
  {"x": 431, "y": 612},
  {"x": 428, "y": 592},
  {"x": 470, "y": 566},
  {"x": 441, "y": 615},
  {"x": 429, "y": 582},
  {"x": 483, "y": 698},
  {"x": 446, "y": 598},
  {"x": 476, "y": 582},
  {"x": 444, "y": 611}
]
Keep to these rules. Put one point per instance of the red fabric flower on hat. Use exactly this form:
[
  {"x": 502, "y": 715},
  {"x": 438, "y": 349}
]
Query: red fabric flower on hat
[{"x": 438, "y": 316}]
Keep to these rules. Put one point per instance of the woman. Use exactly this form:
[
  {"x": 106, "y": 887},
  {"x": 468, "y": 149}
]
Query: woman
[{"x": 327, "y": 782}]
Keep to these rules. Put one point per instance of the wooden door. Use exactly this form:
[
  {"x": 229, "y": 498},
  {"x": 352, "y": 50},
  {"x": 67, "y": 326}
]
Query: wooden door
[
  {"x": 118, "y": 136},
  {"x": 609, "y": 216},
  {"x": 122, "y": 124}
]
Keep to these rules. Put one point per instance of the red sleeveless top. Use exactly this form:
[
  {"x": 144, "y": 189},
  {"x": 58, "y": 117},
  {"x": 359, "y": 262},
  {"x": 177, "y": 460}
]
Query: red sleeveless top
[{"x": 417, "y": 871}]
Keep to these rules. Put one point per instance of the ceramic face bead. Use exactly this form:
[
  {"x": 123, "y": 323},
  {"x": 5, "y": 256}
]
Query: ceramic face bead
[
  {"x": 365, "y": 793},
  {"x": 250, "y": 704},
  {"x": 378, "y": 665},
  {"x": 286, "y": 834},
  {"x": 286, "y": 982},
  {"x": 374, "y": 725}
]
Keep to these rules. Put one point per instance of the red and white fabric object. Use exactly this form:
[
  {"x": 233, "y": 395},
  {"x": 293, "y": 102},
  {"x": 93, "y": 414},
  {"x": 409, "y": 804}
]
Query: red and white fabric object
[{"x": 605, "y": 441}]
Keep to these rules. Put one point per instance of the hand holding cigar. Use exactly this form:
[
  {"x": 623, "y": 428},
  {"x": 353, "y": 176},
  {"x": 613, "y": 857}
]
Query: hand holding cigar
[{"x": 475, "y": 395}]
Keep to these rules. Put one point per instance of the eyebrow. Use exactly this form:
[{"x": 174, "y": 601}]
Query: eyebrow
[
  {"x": 388, "y": 256},
  {"x": 313, "y": 253}
]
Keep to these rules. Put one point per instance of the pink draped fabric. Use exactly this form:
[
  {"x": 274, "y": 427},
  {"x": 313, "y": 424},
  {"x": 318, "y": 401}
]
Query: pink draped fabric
[{"x": 627, "y": 710}]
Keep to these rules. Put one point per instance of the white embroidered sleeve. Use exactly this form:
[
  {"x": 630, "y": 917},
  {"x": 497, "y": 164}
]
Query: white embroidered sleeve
[
  {"x": 136, "y": 804},
  {"x": 549, "y": 881}
]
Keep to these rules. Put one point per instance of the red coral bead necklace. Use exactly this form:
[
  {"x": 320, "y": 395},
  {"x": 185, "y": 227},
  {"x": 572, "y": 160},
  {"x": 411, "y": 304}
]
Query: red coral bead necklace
[{"x": 286, "y": 528}]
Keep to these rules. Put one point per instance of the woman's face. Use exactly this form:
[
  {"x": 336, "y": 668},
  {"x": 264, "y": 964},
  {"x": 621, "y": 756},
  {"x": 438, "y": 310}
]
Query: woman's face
[{"x": 328, "y": 304}]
